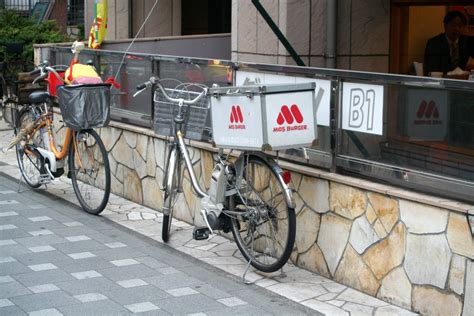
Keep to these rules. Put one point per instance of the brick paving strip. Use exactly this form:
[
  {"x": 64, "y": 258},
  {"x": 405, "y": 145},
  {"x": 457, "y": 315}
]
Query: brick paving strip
[{"x": 100, "y": 268}]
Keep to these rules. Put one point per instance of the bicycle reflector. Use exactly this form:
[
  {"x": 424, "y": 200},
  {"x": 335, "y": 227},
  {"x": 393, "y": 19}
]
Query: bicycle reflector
[{"x": 286, "y": 175}]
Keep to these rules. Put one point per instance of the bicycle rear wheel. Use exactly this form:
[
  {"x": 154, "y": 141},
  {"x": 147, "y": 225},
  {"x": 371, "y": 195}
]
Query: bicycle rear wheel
[
  {"x": 29, "y": 159},
  {"x": 171, "y": 192},
  {"x": 89, "y": 171},
  {"x": 263, "y": 224}
]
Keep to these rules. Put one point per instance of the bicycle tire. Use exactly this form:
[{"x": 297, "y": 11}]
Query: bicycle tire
[
  {"x": 29, "y": 159},
  {"x": 89, "y": 171},
  {"x": 265, "y": 226},
  {"x": 171, "y": 190}
]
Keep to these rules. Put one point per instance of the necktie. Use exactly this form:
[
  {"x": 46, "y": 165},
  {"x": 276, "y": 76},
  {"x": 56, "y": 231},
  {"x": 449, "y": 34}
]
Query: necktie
[{"x": 454, "y": 55}]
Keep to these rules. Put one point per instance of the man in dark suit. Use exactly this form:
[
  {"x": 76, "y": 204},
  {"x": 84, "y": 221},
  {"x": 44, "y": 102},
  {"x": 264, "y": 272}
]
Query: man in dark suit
[{"x": 450, "y": 49}]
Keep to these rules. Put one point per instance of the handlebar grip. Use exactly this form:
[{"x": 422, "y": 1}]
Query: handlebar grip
[
  {"x": 141, "y": 86},
  {"x": 35, "y": 72}
]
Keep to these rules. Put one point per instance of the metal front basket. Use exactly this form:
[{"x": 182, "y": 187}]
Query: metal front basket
[{"x": 196, "y": 116}]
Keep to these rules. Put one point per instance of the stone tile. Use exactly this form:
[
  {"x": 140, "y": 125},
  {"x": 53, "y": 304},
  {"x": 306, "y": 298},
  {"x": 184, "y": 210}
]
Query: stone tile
[
  {"x": 142, "y": 307},
  {"x": 469, "y": 290},
  {"x": 386, "y": 208},
  {"x": 232, "y": 301},
  {"x": 336, "y": 303},
  {"x": 7, "y": 227},
  {"x": 41, "y": 249},
  {"x": 357, "y": 297},
  {"x": 353, "y": 272},
  {"x": 131, "y": 283},
  {"x": 182, "y": 291},
  {"x": 40, "y": 218},
  {"x": 86, "y": 275},
  {"x": 456, "y": 274},
  {"x": 42, "y": 267},
  {"x": 168, "y": 270},
  {"x": 297, "y": 291},
  {"x": 392, "y": 310},
  {"x": 90, "y": 297},
  {"x": 129, "y": 272},
  {"x": 77, "y": 238},
  {"x": 8, "y": 202},
  {"x": 7, "y": 242},
  {"x": 325, "y": 308},
  {"x": 6, "y": 260},
  {"x": 175, "y": 280},
  {"x": 4, "y": 302},
  {"x": 115, "y": 245},
  {"x": 46, "y": 312},
  {"x": 332, "y": 238},
  {"x": 387, "y": 254},
  {"x": 43, "y": 288},
  {"x": 12, "y": 289},
  {"x": 308, "y": 224},
  {"x": 9, "y": 213},
  {"x": 6, "y": 279},
  {"x": 423, "y": 219},
  {"x": 192, "y": 304},
  {"x": 357, "y": 309},
  {"x": 396, "y": 288},
  {"x": 73, "y": 224},
  {"x": 430, "y": 301},
  {"x": 313, "y": 260},
  {"x": 42, "y": 232},
  {"x": 124, "y": 262},
  {"x": 81, "y": 255},
  {"x": 362, "y": 235},
  {"x": 459, "y": 235},
  {"x": 347, "y": 201},
  {"x": 421, "y": 252}
]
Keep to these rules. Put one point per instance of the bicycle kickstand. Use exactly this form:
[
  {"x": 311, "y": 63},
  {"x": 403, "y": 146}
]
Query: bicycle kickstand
[{"x": 244, "y": 280}]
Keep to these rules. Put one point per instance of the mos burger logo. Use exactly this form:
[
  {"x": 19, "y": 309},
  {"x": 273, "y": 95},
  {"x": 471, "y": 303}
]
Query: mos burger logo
[
  {"x": 290, "y": 119},
  {"x": 236, "y": 120},
  {"x": 427, "y": 114}
]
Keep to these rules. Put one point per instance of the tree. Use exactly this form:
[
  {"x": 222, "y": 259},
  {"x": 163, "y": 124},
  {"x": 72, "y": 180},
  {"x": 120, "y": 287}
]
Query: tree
[{"x": 17, "y": 29}]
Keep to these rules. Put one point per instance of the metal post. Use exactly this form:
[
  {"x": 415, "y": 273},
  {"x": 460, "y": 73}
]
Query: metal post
[{"x": 278, "y": 33}]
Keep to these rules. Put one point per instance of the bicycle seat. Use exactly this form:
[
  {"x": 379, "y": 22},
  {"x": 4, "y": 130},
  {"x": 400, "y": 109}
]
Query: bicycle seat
[{"x": 39, "y": 97}]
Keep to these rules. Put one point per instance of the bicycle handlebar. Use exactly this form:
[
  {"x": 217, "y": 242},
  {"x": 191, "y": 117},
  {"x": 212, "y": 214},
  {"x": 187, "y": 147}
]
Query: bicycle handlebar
[
  {"x": 156, "y": 81},
  {"x": 44, "y": 69}
]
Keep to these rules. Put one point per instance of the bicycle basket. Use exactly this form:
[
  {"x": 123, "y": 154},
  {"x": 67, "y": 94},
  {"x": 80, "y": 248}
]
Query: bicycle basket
[
  {"x": 196, "y": 116},
  {"x": 84, "y": 106}
]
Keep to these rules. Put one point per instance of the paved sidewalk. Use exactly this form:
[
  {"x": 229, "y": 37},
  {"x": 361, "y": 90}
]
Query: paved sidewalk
[
  {"x": 55, "y": 259},
  {"x": 310, "y": 290}
]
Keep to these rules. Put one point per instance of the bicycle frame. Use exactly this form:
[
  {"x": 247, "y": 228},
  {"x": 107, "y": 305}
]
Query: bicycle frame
[{"x": 47, "y": 122}]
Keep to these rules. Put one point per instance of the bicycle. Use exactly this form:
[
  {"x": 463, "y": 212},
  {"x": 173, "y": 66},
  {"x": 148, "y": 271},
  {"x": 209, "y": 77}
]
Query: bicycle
[
  {"x": 249, "y": 197},
  {"x": 41, "y": 159}
]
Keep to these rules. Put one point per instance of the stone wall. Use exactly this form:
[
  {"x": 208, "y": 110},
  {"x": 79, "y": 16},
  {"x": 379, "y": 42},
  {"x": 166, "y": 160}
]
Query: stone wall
[{"x": 408, "y": 253}]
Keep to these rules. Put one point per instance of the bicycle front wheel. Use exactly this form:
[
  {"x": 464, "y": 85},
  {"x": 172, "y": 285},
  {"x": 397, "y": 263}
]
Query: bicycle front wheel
[
  {"x": 89, "y": 171},
  {"x": 29, "y": 159},
  {"x": 171, "y": 192},
  {"x": 263, "y": 223}
]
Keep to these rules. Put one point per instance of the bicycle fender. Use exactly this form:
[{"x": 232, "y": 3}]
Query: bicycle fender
[{"x": 239, "y": 170}]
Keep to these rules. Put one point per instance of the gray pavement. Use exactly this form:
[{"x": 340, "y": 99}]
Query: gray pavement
[{"x": 55, "y": 259}]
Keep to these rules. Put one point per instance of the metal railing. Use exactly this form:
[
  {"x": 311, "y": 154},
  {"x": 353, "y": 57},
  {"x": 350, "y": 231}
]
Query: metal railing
[
  {"x": 421, "y": 133},
  {"x": 24, "y": 7}
]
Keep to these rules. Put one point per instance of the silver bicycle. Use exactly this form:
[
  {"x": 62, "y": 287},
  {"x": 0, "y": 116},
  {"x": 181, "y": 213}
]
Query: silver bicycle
[{"x": 249, "y": 196}]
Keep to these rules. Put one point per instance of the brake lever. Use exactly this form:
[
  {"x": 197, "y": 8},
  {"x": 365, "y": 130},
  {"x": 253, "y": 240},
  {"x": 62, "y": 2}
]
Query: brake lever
[{"x": 138, "y": 92}]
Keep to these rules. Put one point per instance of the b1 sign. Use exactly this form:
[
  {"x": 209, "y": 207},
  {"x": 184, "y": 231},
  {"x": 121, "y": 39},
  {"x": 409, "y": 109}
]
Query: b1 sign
[{"x": 362, "y": 107}]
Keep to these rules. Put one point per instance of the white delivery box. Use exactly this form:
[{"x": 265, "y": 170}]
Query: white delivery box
[{"x": 264, "y": 117}]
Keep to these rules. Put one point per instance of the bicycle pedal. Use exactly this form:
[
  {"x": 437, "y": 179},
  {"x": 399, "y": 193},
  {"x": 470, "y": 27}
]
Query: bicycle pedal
[{"x": 201, "y": 233}]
